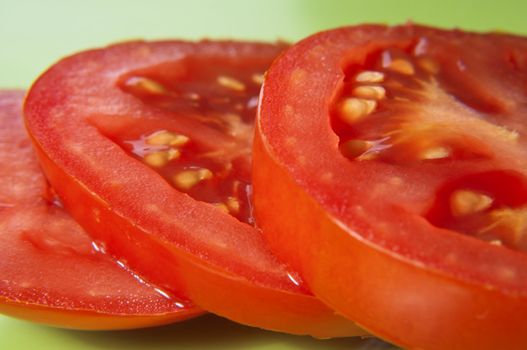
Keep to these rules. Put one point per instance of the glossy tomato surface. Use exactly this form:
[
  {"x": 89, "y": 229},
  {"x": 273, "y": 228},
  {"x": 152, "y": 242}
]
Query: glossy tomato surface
[
  {"x": 148, "y": 146},
  {"x": 398, "y": 159},
  {"x": 51, "y": 271}
]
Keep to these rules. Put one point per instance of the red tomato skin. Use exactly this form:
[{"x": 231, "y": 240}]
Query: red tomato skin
[
  {"x": 387, "y": 291},
  {"x": 259, "y": 294},
  {"x": 50, "y": 270}
]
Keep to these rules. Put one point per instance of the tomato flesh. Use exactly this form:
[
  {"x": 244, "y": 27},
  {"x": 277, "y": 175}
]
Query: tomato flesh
[
  {"x": 94, "y": 135},
  {"x": 219, "y": 100},
  {"x": 404, "y": 151},
  {"x": 391, "y": 83},
  {"x": 51, "y": 270}
]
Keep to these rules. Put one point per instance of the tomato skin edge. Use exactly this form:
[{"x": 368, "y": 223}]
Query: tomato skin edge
[
  {"x": 88, "y": 320},
  {"x": 193, "y": 278},
  {"x": 437, "y": 311}
]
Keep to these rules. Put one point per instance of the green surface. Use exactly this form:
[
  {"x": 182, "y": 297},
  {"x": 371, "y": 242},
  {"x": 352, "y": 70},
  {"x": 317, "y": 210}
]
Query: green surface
[
  {"x": 208, "y": 332},
  {"x": 34, "y": 34}
]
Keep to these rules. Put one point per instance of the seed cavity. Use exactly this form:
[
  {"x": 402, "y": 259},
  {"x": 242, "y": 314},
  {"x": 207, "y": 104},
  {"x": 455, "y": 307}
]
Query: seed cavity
[
  {"x": 231, "y": 83},
  {"x": 166, "y": 138},
  {"x": 467, "y": 202},
  {"x": 369, "y": 92},
  {"x": 369, "y": 76},
  {"x": 353, "y": 109},
  {"x": 435, "y": 153},
  {"x": 187, "y": 179}
]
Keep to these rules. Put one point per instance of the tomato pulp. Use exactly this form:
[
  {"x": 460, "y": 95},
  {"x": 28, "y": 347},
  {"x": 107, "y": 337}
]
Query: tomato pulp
[
  {"x": 148, "y": 146},
  {"x": 404, "y": 152},
  {"x": 51, "y": 271}
]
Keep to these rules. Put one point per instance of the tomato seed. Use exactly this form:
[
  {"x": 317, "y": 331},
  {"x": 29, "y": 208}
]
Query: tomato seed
[
  {"x": 435, "y": 153},
  {"x": 369, "y": 77},
  {"x": 166, "y": 138},
  {"x": 161, "y": 158},
  {"x": 156, "y": 159},
  {"x": 187, "y": 179},
  {"x": 258, "y": 79},
  {"x": 353, "y": 109},
  {"x": 231, "y": 83},
  {"x": 510, "y": 222},
  {"x": 401, "y": 66},
  {"x": 146, "y": 84},
  {"x": 233, "y": 204},
  {"x": 369, "y": 92},
  {"x": 222, "y": 207},
  {"x": 466, "y": 202},
  {"x": 428, "y": 65}
]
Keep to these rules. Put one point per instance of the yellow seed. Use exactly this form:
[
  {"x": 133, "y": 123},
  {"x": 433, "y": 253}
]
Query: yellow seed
[
  {"x": 233, "y": 204},
  {"x": 166, "y": 138},
  {"x": 179, "y": 140},
  {"x": 369, "y": 76},
  {"x": 355, "y": 148},
  {"x": 258, "y": 79},
  {"x": 173, "y": 154},
  {"x": 428, "y": 65},
  {"x": 161, "y": 158},
  {"x": 231, "y": 83},
  {"x": 187, "y": 179},
  {"x": 511, "y": 223},
  {"x": 353, "y": 109},
  {"x": 401, "y": 66},
  {"x": 466, "y": 202},
  {"x": 435, "y": 153},
  {"x": 370, "y": 92},
  {"x": 507, "y": 134},
  {"x": 221, "y": 206},
  {"x": 149, "y": 85},
  {"x": 156, "y": 159}
]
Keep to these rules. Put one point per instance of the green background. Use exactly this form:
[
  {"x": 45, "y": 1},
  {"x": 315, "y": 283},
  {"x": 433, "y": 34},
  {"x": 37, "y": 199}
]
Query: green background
[{"x": 34, "y": 34}]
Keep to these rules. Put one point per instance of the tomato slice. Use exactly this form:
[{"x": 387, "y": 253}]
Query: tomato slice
[
  {"x": 404, "y": 151},
  {"x": 51, "y": 271},
  {"x": 148, "y": 146}
]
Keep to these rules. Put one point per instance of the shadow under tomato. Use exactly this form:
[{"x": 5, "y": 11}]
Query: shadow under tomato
[{"x": 211, "y": 332}]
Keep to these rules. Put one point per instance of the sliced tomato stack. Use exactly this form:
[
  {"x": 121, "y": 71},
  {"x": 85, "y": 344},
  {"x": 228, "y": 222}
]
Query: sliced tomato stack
[
  {"x": 148, "y": 146},
  {"x": 404, "y": 151},
  {"x": 50, "y": 270}
]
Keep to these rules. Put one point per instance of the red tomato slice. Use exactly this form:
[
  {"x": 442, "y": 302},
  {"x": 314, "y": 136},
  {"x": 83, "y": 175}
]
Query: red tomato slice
[
  {"x": 148, "y": 145},
  {"x": 404, "y": 151},
  {"x": 50, "y": 270}
]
